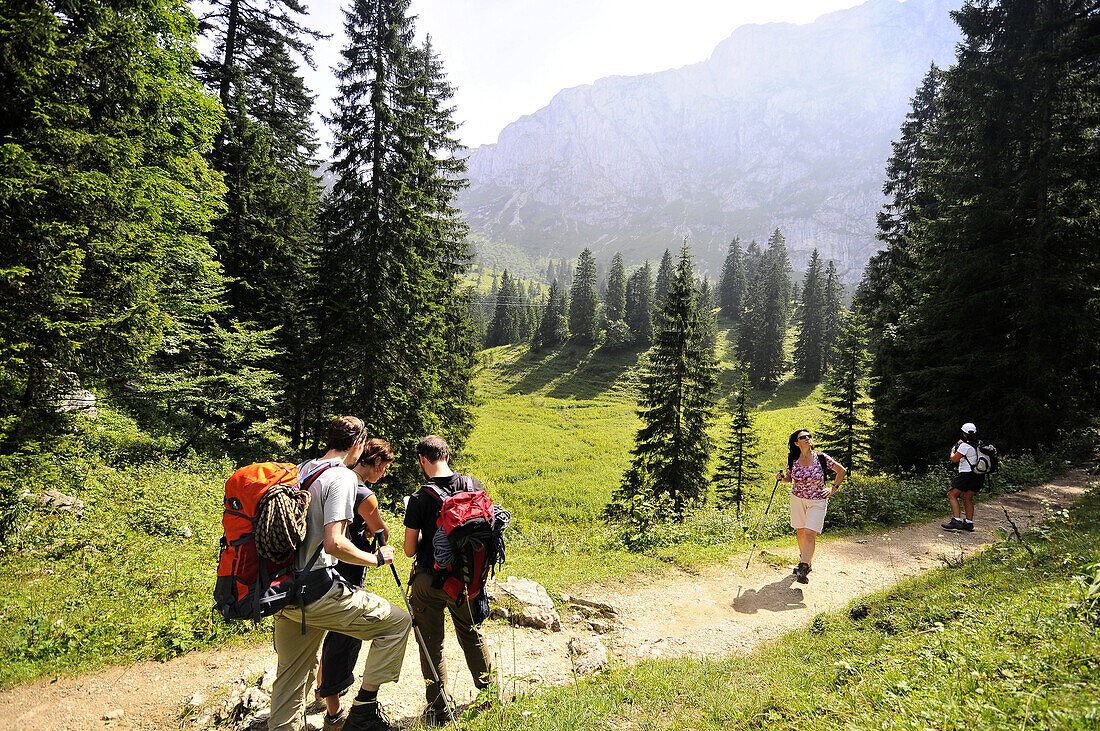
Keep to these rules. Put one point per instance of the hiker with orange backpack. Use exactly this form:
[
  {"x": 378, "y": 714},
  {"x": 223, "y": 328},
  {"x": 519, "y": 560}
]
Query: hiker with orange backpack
[
  {"x": 329, "y": 603},
  {"x": 427, "y": 597}
]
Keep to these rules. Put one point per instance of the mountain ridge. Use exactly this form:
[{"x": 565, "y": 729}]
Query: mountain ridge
[{"x": 782, "y": 126}]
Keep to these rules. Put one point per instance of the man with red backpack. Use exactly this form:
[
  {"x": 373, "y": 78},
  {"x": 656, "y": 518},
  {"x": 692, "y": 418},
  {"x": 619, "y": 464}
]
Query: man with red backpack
[
  {"x": 329, "y": 603},
  {"x": 427, "y": 597}
]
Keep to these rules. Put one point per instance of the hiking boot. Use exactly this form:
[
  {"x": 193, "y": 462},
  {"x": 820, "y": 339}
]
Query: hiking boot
[
  {"x": 968, "y": 527},
  {"x": 435, "y": 717},
  {"x": 801, "y": 573},
  {"x": 336, "y": 725},
  {"x": 317, "y": 705},
  {"x": 367, "y": 717},
  {"x": 953, "y": 524}
]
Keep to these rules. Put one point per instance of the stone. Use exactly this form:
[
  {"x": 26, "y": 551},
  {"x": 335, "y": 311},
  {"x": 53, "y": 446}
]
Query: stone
[
  {"x": 538, "y": 618},
  {"x": 526, "y": 591},
  {"x": 268, "y": 680},
  {"x": 599, "y": 626},
  {"x": 588, "y": 653},
  {"x": 600, "y": 607},
  {"x": 115, "y": 715}
]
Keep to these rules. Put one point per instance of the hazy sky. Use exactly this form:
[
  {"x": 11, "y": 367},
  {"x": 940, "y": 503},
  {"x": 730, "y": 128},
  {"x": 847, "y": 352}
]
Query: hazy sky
[{"x": 508, "y": 58}]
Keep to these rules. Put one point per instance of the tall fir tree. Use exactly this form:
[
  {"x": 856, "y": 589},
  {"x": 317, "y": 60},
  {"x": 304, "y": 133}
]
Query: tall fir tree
[
  {"x": 664, "y": 281},
  {"x": 733, "y": 283},
  {"x": 583, "y": 299},
  {"x": 739, "y": 462},
  {"x": 269, "y": 237},
  {"x": 754, "y": 256},
  {"x": 676, "y": 403},
  {"x": 846, "y": 428},
  {"x": 809, "y": 348},
  {"x": 616, "y": 289},
  {"x": 553, "y": 329},
  {"x": 399, "y": 348},
  {"x": 105, "y": 199},
  {"x": 1005, "y": 331},
  {"x": 639, "y": 303},
  {"x": 834, "y": 314},
  {"x": 760, "y": 342},
  {"x": 505, "y": 327}
]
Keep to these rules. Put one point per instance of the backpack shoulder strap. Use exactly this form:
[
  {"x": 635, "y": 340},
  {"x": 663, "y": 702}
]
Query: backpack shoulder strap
[
  {"x": 314, "y": 475},
  {"x": 824, "y": 466}
]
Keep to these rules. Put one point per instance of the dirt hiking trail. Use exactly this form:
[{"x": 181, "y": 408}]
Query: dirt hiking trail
[{"x": 714, "y": 612}]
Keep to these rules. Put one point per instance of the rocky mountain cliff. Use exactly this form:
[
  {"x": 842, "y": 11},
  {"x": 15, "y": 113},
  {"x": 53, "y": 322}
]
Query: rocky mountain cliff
[{"x": 784, "y": 126}]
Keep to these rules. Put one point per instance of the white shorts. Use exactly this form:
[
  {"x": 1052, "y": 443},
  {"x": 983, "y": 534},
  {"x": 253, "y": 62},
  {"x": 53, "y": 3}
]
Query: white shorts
[{"x": 808, "y": 513}]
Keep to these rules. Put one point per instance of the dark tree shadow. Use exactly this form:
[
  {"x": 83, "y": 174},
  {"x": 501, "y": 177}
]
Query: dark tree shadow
[
  {"x": 575, "y": 370},
  {"x": 778, "y": 596}
]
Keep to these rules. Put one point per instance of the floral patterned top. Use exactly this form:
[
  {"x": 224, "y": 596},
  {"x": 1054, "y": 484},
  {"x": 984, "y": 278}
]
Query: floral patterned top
[{"x": 808, "y": 482}]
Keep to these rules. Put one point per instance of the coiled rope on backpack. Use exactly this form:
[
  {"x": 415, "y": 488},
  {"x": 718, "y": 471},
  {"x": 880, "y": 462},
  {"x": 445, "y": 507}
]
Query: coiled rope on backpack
[{"x": 281, "y": 521}]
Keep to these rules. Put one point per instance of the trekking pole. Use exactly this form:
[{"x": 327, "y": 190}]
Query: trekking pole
[
  {"x": 380, "y": 539},
  {"x": 761, "y": 523}
]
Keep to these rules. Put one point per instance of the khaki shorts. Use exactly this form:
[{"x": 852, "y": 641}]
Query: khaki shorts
[{"x": 808, "y": 513}]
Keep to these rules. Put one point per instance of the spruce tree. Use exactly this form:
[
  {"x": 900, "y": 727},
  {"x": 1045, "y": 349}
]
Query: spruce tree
[
  {"x": 553, "y": 329},
  {"x": 809, "y": 349},
  {"x": 399, "y": 348},
  {"x": 505, "y": 328},
  {"x": 834, "y": 314},
  {"x": 616, "y": 289},
  {"x": 639, "y": 303},
  {"x": 664, "y": 281},
  {"x": 1006, "y": 256},
  {"x": 672, "y": 448},
  {"x": 844, "y": 434},
  {"x": 760, "y": 343},
  {"x": 105, "y": 198},
  {"x": 739, "y": 462},
  {"x": 583, "y": 299},
  {"x": 733, "y": 283}
]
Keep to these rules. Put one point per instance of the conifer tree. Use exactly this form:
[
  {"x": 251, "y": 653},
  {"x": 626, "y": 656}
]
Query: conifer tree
[
  {"x": 1006, "y": 257},
  {"x": 664, "y": 281},
  {"x": 505, "y": 328},
  {"x": 639, "y": 303},
  {"x": 396, "y": 325},
  {"x": 583, "y": 299},
  {"x": 760, "y": 343},
  {"x": 754, "y": 256},
  {"x": 739, "y": 462},
  {"x": 733, "y": 283},
  {"x": 672, "y": 448},
  {"x": 809, "y": 349},
  {"x": 105, "y": 198},
  {"x": 616, "y": 289},
  {"x": 847, "y": 415},
  {"x": 553, "y": 329},
  {"x": 834, "y": 314}
]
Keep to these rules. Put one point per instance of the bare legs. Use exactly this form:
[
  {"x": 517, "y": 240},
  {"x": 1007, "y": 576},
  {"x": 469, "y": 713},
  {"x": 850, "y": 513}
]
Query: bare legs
[
  {"x": 953, "y": 498},
  {"x": 806, "y": 543}
]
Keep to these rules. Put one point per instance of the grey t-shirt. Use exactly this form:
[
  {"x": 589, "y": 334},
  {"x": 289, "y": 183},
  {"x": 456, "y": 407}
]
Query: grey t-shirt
[{"x": 331, "y": 498}]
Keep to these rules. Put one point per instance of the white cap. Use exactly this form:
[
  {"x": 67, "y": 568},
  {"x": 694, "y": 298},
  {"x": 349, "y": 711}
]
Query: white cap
[{"x": 969, "y": 428}]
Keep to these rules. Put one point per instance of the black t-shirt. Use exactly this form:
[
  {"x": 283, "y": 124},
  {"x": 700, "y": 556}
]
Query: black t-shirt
[
  {"x": 423, "y": 512},
  {"x": 360, "y": 537}
]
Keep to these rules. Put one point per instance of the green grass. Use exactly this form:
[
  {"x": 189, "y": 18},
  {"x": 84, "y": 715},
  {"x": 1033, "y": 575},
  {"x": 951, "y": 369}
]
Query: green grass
[{"x": 1008, "y": 639}]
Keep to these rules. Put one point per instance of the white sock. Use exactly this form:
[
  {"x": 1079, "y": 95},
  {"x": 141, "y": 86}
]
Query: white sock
[{"x": 967, "y": 520}]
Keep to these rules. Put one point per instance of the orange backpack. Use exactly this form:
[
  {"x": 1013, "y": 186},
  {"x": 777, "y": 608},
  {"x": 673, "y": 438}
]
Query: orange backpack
[{"x": 248, "y": 585}]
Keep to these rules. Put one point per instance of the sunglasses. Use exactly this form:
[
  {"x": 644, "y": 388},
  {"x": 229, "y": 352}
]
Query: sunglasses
[{"x": 805, "y": 436}]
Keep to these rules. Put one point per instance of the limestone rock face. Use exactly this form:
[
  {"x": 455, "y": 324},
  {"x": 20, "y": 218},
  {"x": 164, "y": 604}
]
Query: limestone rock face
[{"x": 784, "y": 126}]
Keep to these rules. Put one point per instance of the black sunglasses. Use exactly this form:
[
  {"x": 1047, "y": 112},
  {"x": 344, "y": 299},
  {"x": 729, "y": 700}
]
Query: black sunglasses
[{"x": 806, "y": 436}]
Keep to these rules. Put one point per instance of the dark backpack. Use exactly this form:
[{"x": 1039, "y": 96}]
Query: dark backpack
[
  {"x": 988, "y": 460},
  {"x": 250, "y": 584},
  {"x": 468, "y": 543},
  {"x": 825, "y": 471}
]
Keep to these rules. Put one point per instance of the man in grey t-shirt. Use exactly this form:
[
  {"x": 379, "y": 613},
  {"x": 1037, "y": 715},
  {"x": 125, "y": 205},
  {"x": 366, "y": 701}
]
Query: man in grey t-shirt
[{"x": 356, "y": 613}]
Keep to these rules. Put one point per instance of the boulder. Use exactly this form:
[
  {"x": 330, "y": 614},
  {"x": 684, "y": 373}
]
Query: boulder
[{"x": 588, "y": 653}]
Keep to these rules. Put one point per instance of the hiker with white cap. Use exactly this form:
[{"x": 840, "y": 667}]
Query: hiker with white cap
[{"x": 967, "y": 482}]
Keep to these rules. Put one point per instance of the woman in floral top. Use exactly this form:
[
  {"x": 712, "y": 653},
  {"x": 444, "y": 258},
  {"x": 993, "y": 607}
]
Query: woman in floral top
[{"x": 809, "y": 494}]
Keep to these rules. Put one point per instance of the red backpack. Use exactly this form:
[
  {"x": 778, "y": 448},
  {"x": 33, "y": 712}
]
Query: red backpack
[
  {"x": 468, "y": 541},
  {"x": 249, "y": 586}
]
